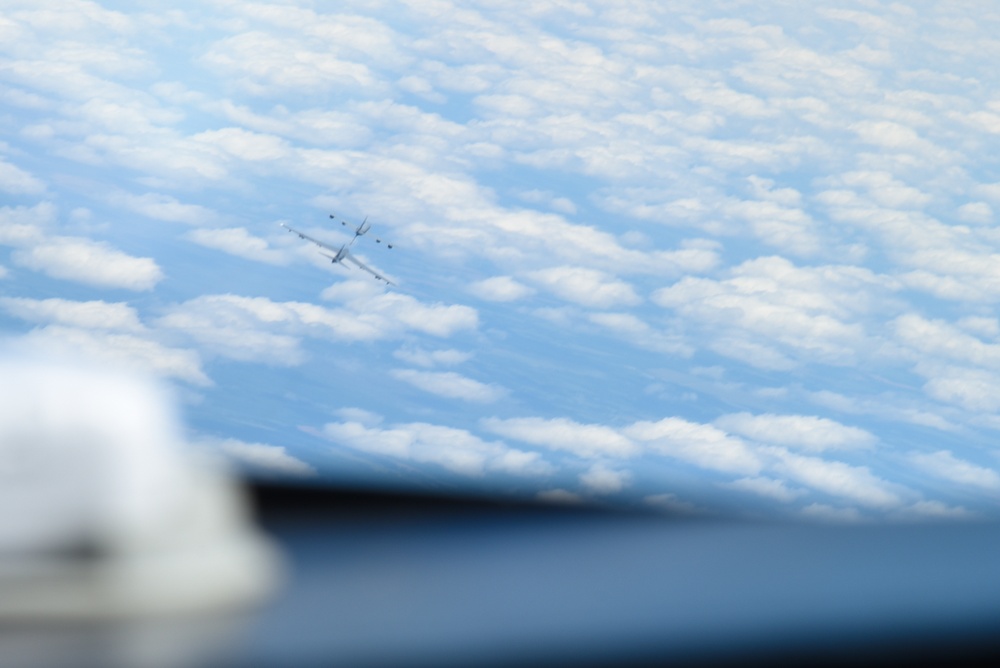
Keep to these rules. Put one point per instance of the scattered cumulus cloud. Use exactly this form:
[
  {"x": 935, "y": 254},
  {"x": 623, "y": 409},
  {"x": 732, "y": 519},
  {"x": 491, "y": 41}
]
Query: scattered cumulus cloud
[
  {"x": 583, "y": 440},
  {"x": 586, "y": 287},
  {"x": 500, "y": 289},
  {"x": 451, "y": 385},
  {"x": 244, "y": 328},
  {"x": 245, "y": 145},
  {"x": 114, "y": 350},
  {"x": 263, "y": 330},
  {"x": 855, "y": 484},
  {"x": 549, "y": 199},
  {"x": 85, "y": 315},
  {"x": 263, "y": 457},
  {"x": 23, "y": 226},
  {"x": 944, "y": 464},
  {"x": 264, "y": 64},
  {"x": 91, "y": 262},
  {"x": 635, "y": 331},
  {"x": 600, "y": 479},
  {"x": 978, "y": 213},
  {"x": 456, "y": 450},
  {"x": 802, "y": 432},
  {"x": 390, "y": 312},
  {"x": 239, "y": 242},
  {"x": 16, "y": 181},
  {"x": 700, "y": 444},
  {"x": 972, "y": 389},
  {"x": 163, "y": 207},
  {"x": 432, "y": 358},
  {"x": 770, "y": 312}
]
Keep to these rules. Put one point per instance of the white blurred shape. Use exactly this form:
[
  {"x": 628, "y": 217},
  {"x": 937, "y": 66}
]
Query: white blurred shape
[{"x": 104, "y": 512}]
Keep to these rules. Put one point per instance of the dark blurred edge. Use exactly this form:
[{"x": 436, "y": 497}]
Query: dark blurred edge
[
  {"x": 281, "y": 505},
  {"x": 277, "y": 502}
]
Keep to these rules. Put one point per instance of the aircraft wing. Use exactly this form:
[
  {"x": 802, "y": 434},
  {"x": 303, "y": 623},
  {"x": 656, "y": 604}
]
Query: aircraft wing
[
  {"x": 303, "y": 235},
  {"x": 362, "y": 265}
]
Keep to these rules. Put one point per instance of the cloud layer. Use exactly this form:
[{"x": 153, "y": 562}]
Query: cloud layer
[{"x": 634, "y": 247}]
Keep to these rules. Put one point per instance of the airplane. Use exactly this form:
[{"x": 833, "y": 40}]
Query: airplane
[
  {"x": 341, "y": 254},
  {"x": 360, "y": 230}
]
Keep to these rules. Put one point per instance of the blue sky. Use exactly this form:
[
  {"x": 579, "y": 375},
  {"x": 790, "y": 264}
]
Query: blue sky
[{"x": 707, "y": 257}]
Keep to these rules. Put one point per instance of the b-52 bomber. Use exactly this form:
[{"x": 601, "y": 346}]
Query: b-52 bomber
[{"x": 342, "y": 253}]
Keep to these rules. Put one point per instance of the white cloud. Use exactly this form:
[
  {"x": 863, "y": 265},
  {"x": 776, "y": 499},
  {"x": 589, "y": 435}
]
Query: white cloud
[
  {"x": 951, "y": 262},
  {"x": 529, "y": 238},
  {"x": 23, "y": 226},
  {"x": 981, "y": 326},
  {"x": 272, "y": 458},
  {"x": 454, "y": 449},
  {"x": 637, "y": 332},
  {"x": 167, "y": 157},
  {"x": 769, "y": 311},
  {"x": 91, "y": 262},
  {"x": 885, "y": 406},
  {"x": 943, "y": 464},
  {"x": 239, "y": 242},
  {"x": 16, "y": 181},
  {"x": 960, "y": 368},
  {"x": 546, "y": 198},
  {"x": 587, "y": 287},
  {"x": 86, "y": 315},
  {"x": 318, "y": 127},
  {"x": 71, "y": 258},
  {"x": 727, "y": 100},
  {"x": 259, "y": 329},
  {"x": 898, "y": 137},
  {"x": 163, "y": 207},
  {"x": 804, "y": 432},
  {"x": 451, "y": 385},
  {"x": 939, "y": 339},
  {"x": 500, "y": 289},
  {"x": 239, "y": 327},
  {"x": 885, "y": 190},
  {"x": 113, "y": 350},
  {"x": 979, "y": 213},
  {"x": 700, "y": 444},
  {"x": 600, "y": 479},
  {"x": 391, "y": 312},
  {"x": 856, "y": 484},
  {"x": 265, "y": 64},
  {"x": 432, "y": 358},
  {"x": 975, "y": 390},
  {"x": 359, "y": 415},
  {"x": 75, "y": 19},
  {"x": 583, "y": 440},
  {"x": 788, "y": 228},
  {"x": 245, "y": 145}
]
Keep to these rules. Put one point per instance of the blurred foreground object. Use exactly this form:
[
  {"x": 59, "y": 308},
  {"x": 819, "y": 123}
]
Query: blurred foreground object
[{"x": 104, "y": 515}]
